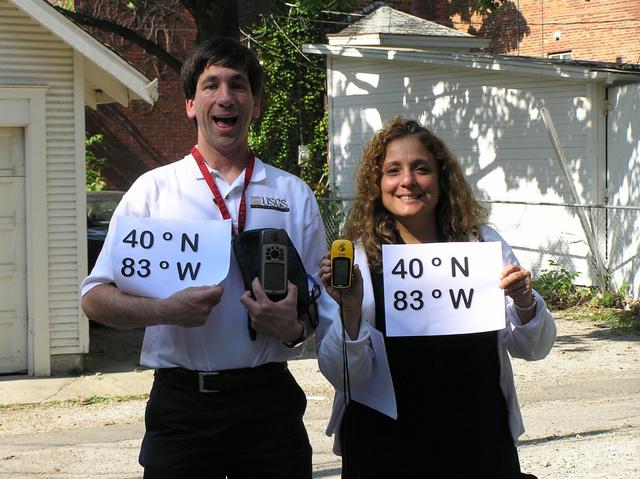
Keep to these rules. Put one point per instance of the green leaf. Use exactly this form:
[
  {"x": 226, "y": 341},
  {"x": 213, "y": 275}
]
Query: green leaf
[
  {"x": 294, "y": 89},
  {"x": 94, "y": 164}
]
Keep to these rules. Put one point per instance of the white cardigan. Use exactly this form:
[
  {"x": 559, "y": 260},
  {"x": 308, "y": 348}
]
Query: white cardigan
[{"x": 369, "y": 369}]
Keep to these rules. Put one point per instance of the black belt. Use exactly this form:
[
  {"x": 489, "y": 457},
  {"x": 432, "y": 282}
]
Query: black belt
[{"x": 226, "y": 380}]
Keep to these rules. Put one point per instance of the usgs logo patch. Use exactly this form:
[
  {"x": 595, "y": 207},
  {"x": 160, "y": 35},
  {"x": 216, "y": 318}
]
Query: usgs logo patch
[{"x": 268, "y": 203}]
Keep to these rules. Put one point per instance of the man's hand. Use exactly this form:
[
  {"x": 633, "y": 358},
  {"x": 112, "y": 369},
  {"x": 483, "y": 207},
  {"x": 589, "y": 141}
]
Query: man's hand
[
  {"x": 190, "y": 307},
  {"x": 278, "y": 319}
]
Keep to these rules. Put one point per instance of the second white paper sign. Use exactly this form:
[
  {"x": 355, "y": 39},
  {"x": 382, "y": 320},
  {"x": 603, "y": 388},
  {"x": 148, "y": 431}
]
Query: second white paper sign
[{"x": 443, "y": 288}]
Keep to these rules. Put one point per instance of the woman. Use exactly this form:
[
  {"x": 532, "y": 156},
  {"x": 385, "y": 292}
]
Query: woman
[{"x": 454, "y": 396}]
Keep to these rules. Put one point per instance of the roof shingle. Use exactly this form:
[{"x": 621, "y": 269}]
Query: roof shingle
[{"x": 390, "y": 21}]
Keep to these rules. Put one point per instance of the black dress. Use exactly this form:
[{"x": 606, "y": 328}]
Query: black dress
[{"x": 452, "y": 416}]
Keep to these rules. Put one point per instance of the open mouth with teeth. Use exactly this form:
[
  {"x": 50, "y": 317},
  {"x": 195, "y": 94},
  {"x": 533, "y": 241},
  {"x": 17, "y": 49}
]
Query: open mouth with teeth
[
  {"x": 225, "y": 121},
  {"x": 411, "y": 197}
]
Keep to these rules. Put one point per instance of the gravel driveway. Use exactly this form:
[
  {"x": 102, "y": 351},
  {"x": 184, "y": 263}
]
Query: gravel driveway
[{"x": 581, "y": 408}]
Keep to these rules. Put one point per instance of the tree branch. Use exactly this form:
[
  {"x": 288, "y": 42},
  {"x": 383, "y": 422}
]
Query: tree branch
[{"x": 134, "y": 37}]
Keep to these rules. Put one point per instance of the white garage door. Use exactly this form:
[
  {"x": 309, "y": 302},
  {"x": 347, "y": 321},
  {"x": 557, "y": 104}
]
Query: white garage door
[{"x": 13, "y": 264}]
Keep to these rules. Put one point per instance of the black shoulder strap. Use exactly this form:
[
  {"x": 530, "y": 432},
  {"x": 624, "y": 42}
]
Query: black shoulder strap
[{"x": 377, "y": 282}]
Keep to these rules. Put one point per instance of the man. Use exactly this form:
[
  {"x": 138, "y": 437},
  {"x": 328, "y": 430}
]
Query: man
[{"x": 245, "y": 419}]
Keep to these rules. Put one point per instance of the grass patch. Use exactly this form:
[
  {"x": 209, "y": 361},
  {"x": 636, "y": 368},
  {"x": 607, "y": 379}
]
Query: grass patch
[
  {"x": 620, "y": 319},
  {"x": 615, "y": 308},
  {"x": 78, "y": 402}
]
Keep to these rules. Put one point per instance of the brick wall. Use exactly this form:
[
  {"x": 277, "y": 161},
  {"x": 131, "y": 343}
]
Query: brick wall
[
  {"x": 601, "y": 30},
  {"x": 141, "y": 137}
]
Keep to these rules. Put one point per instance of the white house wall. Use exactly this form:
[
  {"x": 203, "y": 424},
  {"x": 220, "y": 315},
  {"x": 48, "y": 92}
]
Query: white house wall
[
  {"x": 623, "y": 143},
  {"x": 492, "y": 123},
  {"x": 30, "y": 55}
]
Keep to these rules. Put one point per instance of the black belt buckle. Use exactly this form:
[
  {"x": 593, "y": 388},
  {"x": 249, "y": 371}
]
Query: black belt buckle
[{"x": 201, "y": 380}]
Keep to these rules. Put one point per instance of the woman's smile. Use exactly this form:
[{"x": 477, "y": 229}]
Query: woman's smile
[{"x": 409, "y": 183}]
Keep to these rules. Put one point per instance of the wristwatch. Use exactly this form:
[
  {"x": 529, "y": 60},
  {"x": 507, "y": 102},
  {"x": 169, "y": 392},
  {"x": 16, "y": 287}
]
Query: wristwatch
[{"x": 300, "y": 339}]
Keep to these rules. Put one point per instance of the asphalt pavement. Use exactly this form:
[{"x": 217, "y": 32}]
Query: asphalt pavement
[
  {"x": 112, "y": 371},
  {"x": 581, "y": 407}
]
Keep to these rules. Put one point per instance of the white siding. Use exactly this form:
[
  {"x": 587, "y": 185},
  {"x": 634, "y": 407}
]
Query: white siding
[
  {"x": 623, "y": 143},
  {"x": 30, "y": 55},
  {"x": 491, "y": 122}
]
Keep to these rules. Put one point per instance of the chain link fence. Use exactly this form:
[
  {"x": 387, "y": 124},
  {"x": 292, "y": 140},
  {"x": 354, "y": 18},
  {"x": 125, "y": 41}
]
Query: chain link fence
[
  {"x": 334, "y": 212},
  {"x": 600, "y": 243}
]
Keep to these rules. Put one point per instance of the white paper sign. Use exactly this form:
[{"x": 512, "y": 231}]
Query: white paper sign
[
  {"x": 157, "y": 257},
  {"x": 443, "y": 288}
]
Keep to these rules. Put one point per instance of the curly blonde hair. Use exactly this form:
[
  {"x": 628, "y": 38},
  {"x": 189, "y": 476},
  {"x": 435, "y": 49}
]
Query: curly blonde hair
[{"x": 458, "y": 214}]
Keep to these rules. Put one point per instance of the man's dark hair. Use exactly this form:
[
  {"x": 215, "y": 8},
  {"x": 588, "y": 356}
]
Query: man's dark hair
[{"x": 226, "y": 52}]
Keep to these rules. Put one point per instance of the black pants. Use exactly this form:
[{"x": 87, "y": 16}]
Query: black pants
[
  {"x": 375, "y": 446},
  {"x": 241, "y": 434}
]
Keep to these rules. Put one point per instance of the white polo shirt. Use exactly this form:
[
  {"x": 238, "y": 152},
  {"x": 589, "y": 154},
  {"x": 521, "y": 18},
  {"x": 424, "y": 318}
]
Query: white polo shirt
[{"x": 275, "y": 199}]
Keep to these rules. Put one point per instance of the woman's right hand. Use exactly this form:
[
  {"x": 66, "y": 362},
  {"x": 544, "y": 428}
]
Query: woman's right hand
[{"x": 349, "y": 298}]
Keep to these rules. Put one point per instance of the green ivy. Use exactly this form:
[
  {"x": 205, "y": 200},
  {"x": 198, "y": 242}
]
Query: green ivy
[
  {"x": 94, "y": 164},
  {"x": 294, "y": 112},
  {"x": 66, "y": 4}
]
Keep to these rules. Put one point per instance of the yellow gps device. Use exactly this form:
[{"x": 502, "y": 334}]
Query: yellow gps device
[{"x": 341, "y": 263}]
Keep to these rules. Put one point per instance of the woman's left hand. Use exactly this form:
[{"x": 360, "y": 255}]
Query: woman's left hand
[{"x": 516, "y": 282}]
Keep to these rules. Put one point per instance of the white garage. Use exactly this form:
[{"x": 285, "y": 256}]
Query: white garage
[
  {"x": 49, "y": 71},
  {"x": 490, "y": 110}
]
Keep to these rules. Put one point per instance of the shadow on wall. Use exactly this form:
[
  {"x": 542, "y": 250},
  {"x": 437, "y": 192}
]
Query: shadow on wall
[
  {"x": 623, "y": 169},
  {"x": 505, "y": 26},
  {"x": 491, "y": 121},
  {"x": 132, "y": 144}
]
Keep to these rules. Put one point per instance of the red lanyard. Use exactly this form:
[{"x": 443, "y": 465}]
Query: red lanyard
[{"x": 217, "y": 197}]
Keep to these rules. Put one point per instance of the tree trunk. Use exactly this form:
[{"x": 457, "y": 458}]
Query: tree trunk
[{"x": 218, "y": 18}]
